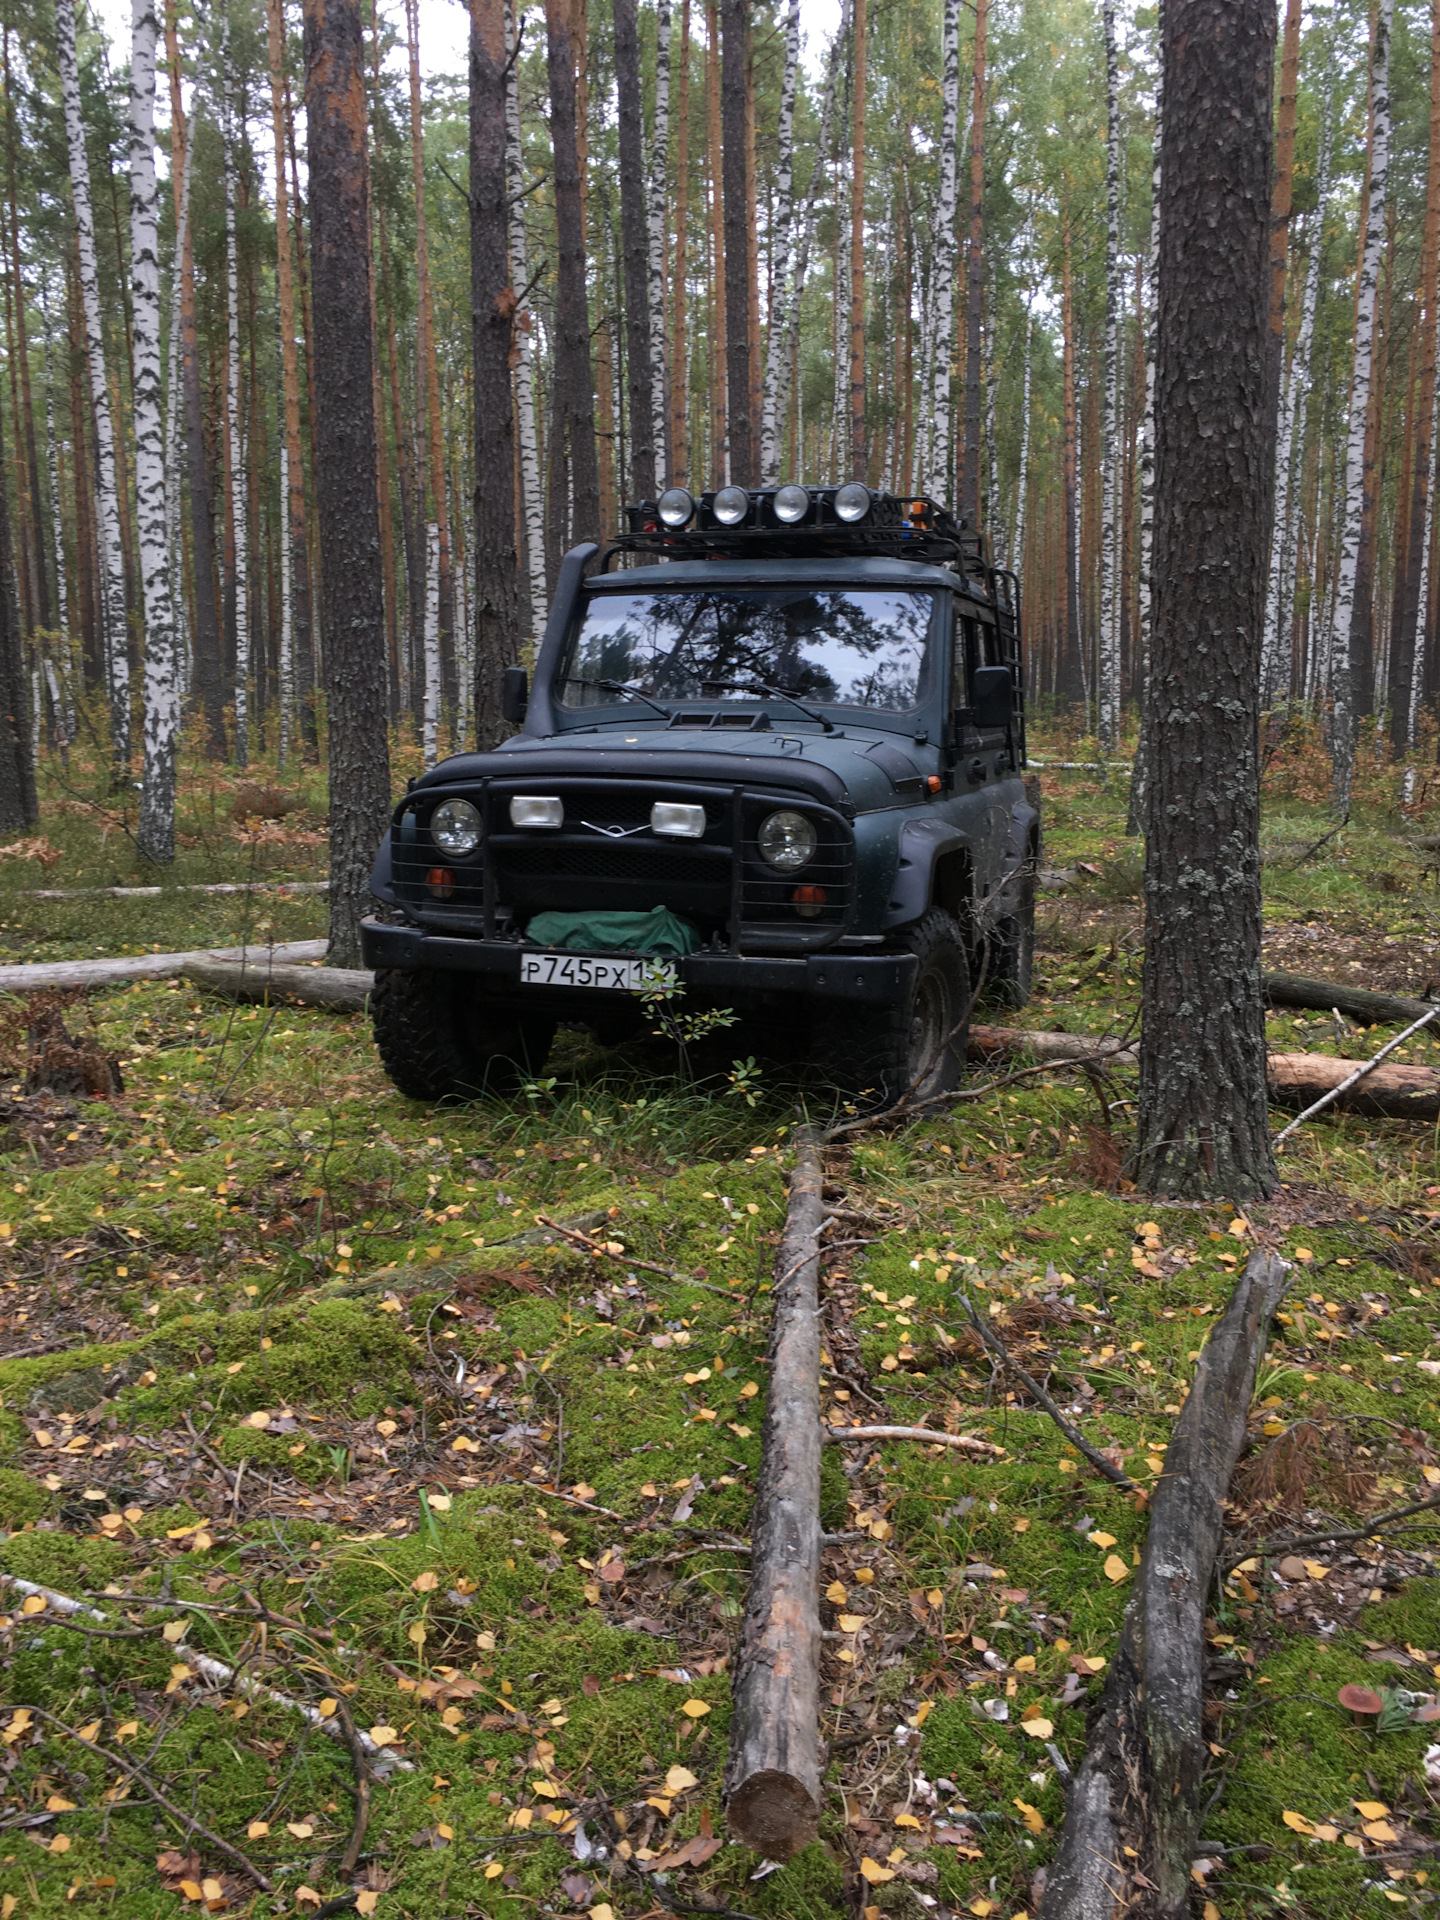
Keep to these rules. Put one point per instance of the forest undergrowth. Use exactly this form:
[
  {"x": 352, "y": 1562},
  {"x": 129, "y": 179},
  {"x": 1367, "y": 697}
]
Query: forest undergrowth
[{"x": 403, "y": 1457}]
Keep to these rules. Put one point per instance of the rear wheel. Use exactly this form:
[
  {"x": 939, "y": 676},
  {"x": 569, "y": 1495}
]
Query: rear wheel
[
  {"x": 913, "y": 1049},
  {"x": 1012, "y": 943},
  {"x": 438, "y": 1039}
]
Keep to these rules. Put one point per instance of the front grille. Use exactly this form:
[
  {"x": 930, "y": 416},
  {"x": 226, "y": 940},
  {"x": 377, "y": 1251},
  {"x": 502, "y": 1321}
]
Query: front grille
[{"x": 732, "y": 895}]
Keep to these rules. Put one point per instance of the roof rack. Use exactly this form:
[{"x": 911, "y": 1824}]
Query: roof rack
[{"x": 797, "y": 521}]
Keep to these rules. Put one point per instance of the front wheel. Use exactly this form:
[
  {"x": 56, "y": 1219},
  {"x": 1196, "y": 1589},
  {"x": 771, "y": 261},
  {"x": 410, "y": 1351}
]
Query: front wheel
[
  {"x": 438, "y": 1039},
  {"x": 913, "y": 1050}
]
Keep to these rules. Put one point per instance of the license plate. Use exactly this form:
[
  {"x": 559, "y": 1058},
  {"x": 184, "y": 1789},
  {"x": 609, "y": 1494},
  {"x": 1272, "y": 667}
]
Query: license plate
[{"x": 589, "y": 970}]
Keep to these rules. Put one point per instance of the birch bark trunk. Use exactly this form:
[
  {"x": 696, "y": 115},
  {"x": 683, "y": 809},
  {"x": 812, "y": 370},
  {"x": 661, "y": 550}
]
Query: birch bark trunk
[
  {"x": 239, "y": 505},
  {"x": 174, "y": 413},
  {"x": 807, "y": 217},
  {"x": 115, "y": 630},
  {"x": 155, "y": 835},
  {"x": 974, "y": 277},
  {"x": 1343, "y": 693},
  {"x": 1136, "y": 808},
  {"x": 574, "y": 392},
  {"x": 941, "y": 323},
  {"x": 782, "y": 259},
  {"x": 531, "y": 491},
  {"x": 1017, "y": 538},
  {"x": 430, "y": 361},
  {"x": 1108, "y": 675},
  {"x": 679, "y": 470},
  {"x": 18, "y": 804},
  {"x": 738, "y": 216},
  {"x": 657, "y": 190}
]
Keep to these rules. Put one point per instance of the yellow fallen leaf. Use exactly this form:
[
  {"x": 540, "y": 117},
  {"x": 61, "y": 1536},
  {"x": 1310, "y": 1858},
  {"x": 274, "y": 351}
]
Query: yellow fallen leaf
[
  {"x": 1316, "y": 1569},
  {"x": 749, "y": 1390},
  {"x": 1022, "y": 1525},
  {"x": 545, "y": 1788},
  {"x": 386, "y": 1427},
  {"x": 60, "y": 1844},
  {"x": 1379, "y": 1830},
  {"x": 1065, "y": 1466},
  {"x": 88, "y": 1731},
  {"x": 494, "y": 1870},
  {"x": 1296, "y": 1822},
  {"x": 326, "y": 1707},
  {"x": 582, "y": 1492},
  {"x": 33, "y": 1603},
  {"x": 384, "y": 1736},
  {"x": 522, "y": 1817},
  {"x": 367, "y": 1901},
  {"x": 922, "y": 1713},
  {"x": 174, "y": 1630},
  {"x": 57, "y": 1803},
  {"x": 257, "y": 1830},
  {"x": 836, "y": 1594},
  {"x": 1324, "y": 1831},
  {"x": 259, "y": 1419},
  {"x": 696, "y": 1709},
  {"x": 1115, "y": 1568},
  {"x": 7, "y": 1906},
  {"x": 680, "y": 1780},
  {"x": 872, "y": 1871},
  {"x": 308, "y": 1897},
  {"x": 1370, "y": 1809},
  {"x": 1039, "y": 1728},
  {"x": 212, "y": 1890},
  {"x": 982, "y": 1907},
  {"x": 301, "y": 1829},
  {"x": 425, "y": 1582},
  {"x": 908, "y": 1820},
  {"x": 415, "y": 1633},
  {"x": 1101, "y": 1539},
  {"x": 1212, "y": 1912},
  {"x": 1032, "y": 1816},
  {"x": 1025, "y": 1664},
  {"x": 191, "y": 1889},
  {"x": 128, "y": 1730},
  {"x": 849, "y": 1622},
  {"x": 603, "y": 1912}
]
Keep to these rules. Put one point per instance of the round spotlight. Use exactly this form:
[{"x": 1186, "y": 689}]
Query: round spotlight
[
  {"x": 792, "y": 503},
  {"x": 852, "y": 502},
  {"x": 455, "y": 827},
  {"x": 675, "y": 508},
  {"x": 787, "y": 840},
  {"x": 732, "y": 504}
]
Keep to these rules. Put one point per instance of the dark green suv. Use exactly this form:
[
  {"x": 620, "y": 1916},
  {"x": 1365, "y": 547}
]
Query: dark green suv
[{"x": 775, "y": 755}]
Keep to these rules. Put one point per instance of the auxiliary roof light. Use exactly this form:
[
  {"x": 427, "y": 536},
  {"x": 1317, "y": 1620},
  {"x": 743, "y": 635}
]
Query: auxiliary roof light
[
  {"x": 676, "y": 506},
  {"x": 732, "y": 504},
  {"x": 852, "y": 502},
  {"x": 792, "y": 503}
]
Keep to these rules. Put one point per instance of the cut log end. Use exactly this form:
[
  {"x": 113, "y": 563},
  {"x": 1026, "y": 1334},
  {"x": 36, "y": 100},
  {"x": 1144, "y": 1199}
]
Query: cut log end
[{"x": 774, "y": 1813}]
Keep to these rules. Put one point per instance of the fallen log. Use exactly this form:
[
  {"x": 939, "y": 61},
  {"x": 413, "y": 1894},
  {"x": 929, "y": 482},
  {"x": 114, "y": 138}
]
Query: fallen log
[
  {"x": 155, "y": 893},
  {"x": 343, "y": 989},
  {"x": 1320, "y": 996},
  {"x": 772, "y": 1785},
  {"x": 1135, "y": 1805},
  {"x": 1296, "y": 1079},
  {"x": 141, "y": 966}
]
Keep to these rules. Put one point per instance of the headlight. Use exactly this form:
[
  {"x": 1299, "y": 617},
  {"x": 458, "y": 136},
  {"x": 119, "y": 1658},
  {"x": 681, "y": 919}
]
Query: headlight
[
  {"x": 675, "y": 507},
  {"x": 455, "y": 826},
  {"x": 852, "y": 502},
  {"x": 731, "y": 506},
  {"x": 787, "y": 840},
  {"x": 536, "y": 810},
  {"x": 792, "y": 503},
  {"x": 684, "y": 823}
]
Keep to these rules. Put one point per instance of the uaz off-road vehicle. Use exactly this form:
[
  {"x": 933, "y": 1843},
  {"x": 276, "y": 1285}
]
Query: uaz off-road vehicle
[{"x": 779, "y": 758}]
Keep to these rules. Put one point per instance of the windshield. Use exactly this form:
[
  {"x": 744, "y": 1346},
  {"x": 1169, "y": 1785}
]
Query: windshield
[{"x": 860, "y": 647}]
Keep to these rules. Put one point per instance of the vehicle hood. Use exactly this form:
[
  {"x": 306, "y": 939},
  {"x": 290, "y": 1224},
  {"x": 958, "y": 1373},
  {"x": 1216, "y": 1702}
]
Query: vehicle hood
[{"x": 858, "y": 772}]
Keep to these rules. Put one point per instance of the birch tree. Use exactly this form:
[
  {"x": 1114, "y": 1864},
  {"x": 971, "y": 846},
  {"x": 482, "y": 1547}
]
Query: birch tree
[
  {"x": 1146, "y": 478},
  {"x": 656, "y": 191},
  {"x": 808, "y": 217},
  {"x": 239, "y": 492},
  {"x": 174, "y": 415},
  {"x": 635, "y": 249},
  {"x": 1280, "y": 591},
  {"x": 430, "y": 714},
  {"x": 1108, "y": 676},
  {"x": 942, "y": 281},
  {"x": 115, "y": 635},
  {"x": 1343, "y": 616},
  {"x": 532, "y": 495},
  {"x": 782, "y": 256},
  {"x": 1022, "y": 484},
  {"x": 155, "y": 837}
]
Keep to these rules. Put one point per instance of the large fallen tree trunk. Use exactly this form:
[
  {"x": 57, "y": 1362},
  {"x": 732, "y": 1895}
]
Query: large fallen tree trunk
[
  {"x": 155, "y": 893},
  {"x": 1135, "y": 1806},
  {"x": 141, "y": 966},
  {"x": 772, "y": 1777},
  {"x": 1295, "y": 990},
  {"x": 344, "y": 989},
  {"x": 1296, "y": 1079}
]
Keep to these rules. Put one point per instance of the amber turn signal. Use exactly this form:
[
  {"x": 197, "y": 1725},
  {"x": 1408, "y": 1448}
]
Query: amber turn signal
[
  {"x": 808, "y": 901},
  {"x": 441, "y": 882}
]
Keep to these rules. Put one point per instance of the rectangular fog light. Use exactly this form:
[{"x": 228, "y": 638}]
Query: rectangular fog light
[
  {"x": 536, "y": 810},
  {"x": 684, "y": 823}
]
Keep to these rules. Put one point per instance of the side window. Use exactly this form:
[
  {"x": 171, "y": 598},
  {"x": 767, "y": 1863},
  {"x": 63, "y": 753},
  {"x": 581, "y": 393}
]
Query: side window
[
  {"x": 964, "y": 656},
  {"x": 988, "y": 652}
]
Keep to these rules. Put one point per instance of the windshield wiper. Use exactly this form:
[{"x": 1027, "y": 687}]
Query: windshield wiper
[
  {"x": 619, "y": 686},
  {"x": 772, "y": 693}
]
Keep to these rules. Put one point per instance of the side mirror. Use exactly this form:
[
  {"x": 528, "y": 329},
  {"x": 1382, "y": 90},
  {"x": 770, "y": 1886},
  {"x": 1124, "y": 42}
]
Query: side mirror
[
  {"x": 514, "y": 694},
  {"x": 992, "y": 697}
]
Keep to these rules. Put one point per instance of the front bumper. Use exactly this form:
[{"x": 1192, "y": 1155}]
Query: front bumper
[{"x": 877, "y": 977}]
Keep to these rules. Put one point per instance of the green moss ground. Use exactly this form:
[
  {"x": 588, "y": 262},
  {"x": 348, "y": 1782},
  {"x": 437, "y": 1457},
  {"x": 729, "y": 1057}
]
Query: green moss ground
[{"x": 183, "y": 1253}]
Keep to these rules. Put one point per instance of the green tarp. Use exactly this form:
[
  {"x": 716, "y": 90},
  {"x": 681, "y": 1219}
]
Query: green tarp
[{"x": 658, "y": 931}]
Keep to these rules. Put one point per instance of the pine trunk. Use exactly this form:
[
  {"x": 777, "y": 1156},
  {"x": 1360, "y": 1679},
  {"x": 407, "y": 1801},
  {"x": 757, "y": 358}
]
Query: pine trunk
[
  {"x": 155, "y": 837},
  {"x": 738, "y": 216},
  {"x": 1202, "y": 1126},
  {"x": 573, "y": 385},
  {"x": 679, "y": 471},
  {"x": 1107, "y": 680},
  {"x": 859, "y": 459},
  {"x": 115, "y": 631},
  {"x": 496, "y": 617},
  {"x": 974, "y": 278},
  {"x": 352, "y": 601},
  {"x": 1342, "y": 684},
  {"x": 1135, "y": 812},
  {"x": 719, "y": 375},
  {"x": 18, "y": 804},
  {"x": 1072, "y": 675},
  {"x": 808, "y": 215}
]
